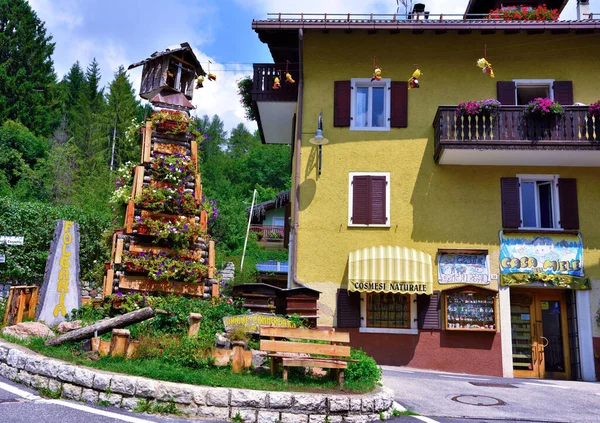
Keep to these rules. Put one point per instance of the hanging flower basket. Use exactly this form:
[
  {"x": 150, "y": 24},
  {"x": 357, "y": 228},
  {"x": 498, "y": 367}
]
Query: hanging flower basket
[{"x": 544, "y": 106}]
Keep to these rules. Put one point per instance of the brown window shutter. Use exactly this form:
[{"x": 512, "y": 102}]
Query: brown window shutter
[
  {"x": 428, "y": 311},
  {"x": 348, "y": 309},
  {"x": 511, "y": 202},
  {"x": 361, "y": 204},
  {"x": 563, "y": 92},
  {"x": 506, "y": 93},
  {"x": 567, "y": 198},
  {"x": 399, "y": 104},
  {"x": 378, "y": 200},
  {"x": 341, "y": 103},
  {"x": 286, "y": 225}
]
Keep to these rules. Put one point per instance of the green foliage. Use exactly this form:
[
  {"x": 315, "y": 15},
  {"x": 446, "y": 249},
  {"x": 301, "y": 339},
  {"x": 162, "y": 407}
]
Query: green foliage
[
  {"x": 103, "y": 403},
  {"x": 143, "y": 406},
  {"x": 27, "y": 80},
  {"x": 48, "y": 393},
  {"x": 36, "y": 222},
  {"x": 245, "y": 93},
  {"x": 382, "y": 416},
  {"x": 238, "y": 418},
  {"x": 366, "y": 370},
  {"x": 238, "y": 334}
]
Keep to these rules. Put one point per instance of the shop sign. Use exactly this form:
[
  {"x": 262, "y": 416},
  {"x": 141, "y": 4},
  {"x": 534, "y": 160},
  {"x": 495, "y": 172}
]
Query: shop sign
[
  {"x": 60, "y": 292},
  {"x": 463, "y": 268},
  {"x": 12, "y": 240},
  {"x": 2, "y": 258},
  {"x": 252, "y": 322},
  {"x": 553, "y": 259}
]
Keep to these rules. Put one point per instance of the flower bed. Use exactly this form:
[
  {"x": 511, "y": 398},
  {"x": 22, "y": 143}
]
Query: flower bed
[{"x": 525, "y": 13}]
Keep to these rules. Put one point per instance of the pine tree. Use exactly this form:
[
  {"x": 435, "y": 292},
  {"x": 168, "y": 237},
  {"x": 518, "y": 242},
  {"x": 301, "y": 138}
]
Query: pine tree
[
  {"x": 120, "y": 116},
  {"x": 73, "y": 83},
  {"x": 27, "y": 79}
]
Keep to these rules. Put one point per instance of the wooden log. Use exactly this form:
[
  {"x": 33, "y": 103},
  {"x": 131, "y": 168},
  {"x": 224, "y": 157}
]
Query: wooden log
[
  {"x": 119, "y": 342},
  {"x": 194, "y": 320},
  {"x": 237, "y": 361},
  {"x": 104, "y": 348},
  {"x": 103, "y": 326},
  {"x": 165, "y": 148},
  {"x": 95, "y": 343}
]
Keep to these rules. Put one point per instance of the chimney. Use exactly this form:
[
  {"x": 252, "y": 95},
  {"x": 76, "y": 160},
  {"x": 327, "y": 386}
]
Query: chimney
[{"x": 583, "y": 9}]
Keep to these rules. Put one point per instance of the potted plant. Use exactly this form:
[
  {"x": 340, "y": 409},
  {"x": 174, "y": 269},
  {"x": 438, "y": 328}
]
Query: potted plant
[
  {"x": 541, "y": 114},
  {"x": 171, "y": 122},
  {"x": 474, "y": 118}
]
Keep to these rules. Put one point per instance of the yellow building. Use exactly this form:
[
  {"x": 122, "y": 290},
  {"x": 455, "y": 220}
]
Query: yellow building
[{"x": 442, "y": 239}]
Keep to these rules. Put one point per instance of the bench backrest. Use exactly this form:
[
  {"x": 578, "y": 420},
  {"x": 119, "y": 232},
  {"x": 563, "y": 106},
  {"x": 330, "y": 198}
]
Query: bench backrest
[{"x": 301, "y": 334}]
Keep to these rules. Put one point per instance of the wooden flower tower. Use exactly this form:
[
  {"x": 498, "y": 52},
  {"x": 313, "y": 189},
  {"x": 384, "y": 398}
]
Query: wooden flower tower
[{"x": 164, "y": 246}]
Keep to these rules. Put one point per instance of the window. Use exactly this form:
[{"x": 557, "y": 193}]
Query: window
[
  {"x": 387, "y": 310},
  {"x": 539, "y": 202},
  {"x": 528, "y": 89},
  {"x": 370, "y": 105},
  {"x": 278, "y": 221},
  {"x": 368, "y": 202}
]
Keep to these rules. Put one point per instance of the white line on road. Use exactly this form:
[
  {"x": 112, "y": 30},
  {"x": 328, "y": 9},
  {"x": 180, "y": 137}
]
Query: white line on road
[
  {"x": 425, "y": 419},
  {"x": 91, "y": 410},
  {"x": 464, "y": 377},
  {"x": 545, "y": 384},
  {"x": 24, "y": 394},
  {"x": 13, "y": 390},
  {"x": 398, "y": 371}
]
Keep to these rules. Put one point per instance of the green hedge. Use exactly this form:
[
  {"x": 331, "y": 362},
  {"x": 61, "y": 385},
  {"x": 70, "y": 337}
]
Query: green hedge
[{"x": 36, "y": 222}]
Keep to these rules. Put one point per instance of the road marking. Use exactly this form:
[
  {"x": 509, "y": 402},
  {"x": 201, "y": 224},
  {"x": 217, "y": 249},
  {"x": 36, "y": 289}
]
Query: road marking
[
  {"x": 464, "y": 377},
  {"x": 398, "y": 371},
  {"x": 545, "y": 384},
  {"x": 91, "y": 410},
  {"x": 425, "y": 419},
  {"x": 19, "y": 392}
]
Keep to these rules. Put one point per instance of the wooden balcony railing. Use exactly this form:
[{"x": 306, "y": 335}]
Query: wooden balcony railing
[
  {"x": 264, "y": 78},
  {"x": 268, "y": 232},
  {"x": 511, "y": 128}
]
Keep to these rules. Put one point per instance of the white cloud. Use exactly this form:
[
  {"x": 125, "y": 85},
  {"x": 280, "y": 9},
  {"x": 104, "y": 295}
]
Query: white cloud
[{"x": 65, "y": 14}]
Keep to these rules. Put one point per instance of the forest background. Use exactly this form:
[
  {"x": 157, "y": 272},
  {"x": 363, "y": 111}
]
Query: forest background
[{"x": 66, "y": 141}]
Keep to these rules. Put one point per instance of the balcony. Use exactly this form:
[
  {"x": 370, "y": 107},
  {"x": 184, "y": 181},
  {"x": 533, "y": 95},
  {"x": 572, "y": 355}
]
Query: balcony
[
  {"x": 268, "y": 236},
  {"x": 275, "y": 107},
  {"x": 510, "y": 137}
]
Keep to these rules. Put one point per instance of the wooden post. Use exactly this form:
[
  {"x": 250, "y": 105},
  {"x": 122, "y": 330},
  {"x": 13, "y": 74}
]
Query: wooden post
[
  {"x": 132, "y": 349},
  {"x": 214, "y": 290},
  {"x": 194, "y": 320},
  {"x": 33, "y": 301},
  {"x": 8, "y": 306},
  {"x": 237, "y": 361},
  {"x": 119, "y": 342},
  {"x": 194, "y": 153},
  {"x": 108, "y": 282},
  {"x": 104, "y": 347},
  {"x": 21, "y": 307},
  {"x": 119, "y": 251},
  {"x": 285, "y": 374},
  {"x": 129, "y": 215},
  {"x": 211, "y": 259},
  {"x": 147, "y": 143},
  {"x": 138, "y": 182},
  {"x": 95, "y": 343}
]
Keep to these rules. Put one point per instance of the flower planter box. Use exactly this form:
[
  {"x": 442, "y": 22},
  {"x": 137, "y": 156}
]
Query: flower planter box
[
  {"x": 142, "y": 229},
  {"x": 171, "y": 126},
  {"x": 146, "y": 284}
]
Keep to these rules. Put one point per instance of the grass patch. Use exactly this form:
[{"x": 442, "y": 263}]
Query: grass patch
[
  {"x": 397, "y": 413},
  {"x": 49, "y": 393},
  {"x": 209, "y": 376}
]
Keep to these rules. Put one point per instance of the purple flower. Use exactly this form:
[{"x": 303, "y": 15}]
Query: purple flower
[{"x": 119, "y": 294}]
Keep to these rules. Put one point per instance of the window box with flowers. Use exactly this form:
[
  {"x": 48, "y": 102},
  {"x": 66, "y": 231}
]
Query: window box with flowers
[
  {"x": 178, "y": 233},
  {"x": 474, "y": 118},
  {"x": 525, "y": 13},
  {"x": 170, "y": 122},
  {"x": 541, "y": 116}
]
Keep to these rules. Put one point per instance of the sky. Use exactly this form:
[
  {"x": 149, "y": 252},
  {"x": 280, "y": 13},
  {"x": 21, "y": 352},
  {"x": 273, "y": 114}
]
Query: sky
[{"x": 121, "y": 32}]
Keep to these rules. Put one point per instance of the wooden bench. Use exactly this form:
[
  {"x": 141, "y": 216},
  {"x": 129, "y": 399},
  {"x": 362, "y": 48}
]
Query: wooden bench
[{"x": 337, "y": 358}]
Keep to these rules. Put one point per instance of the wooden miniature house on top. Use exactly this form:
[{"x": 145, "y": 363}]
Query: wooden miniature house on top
[{"x": 169, "y": 76}]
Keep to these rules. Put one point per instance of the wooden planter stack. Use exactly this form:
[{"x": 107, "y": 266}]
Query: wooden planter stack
[{"x": 119, "y": 276}]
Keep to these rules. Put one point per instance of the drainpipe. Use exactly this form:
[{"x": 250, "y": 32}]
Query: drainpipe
[{"x": 297, "y": 149}]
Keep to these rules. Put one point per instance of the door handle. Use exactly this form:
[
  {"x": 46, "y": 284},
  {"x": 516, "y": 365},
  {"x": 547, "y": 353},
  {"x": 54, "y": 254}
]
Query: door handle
[{"x": 544, "y": 339}]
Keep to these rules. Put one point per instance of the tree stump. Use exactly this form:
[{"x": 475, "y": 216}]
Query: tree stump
[
  {"x": 119, "y": 343},
  {"x": 194, "y": 320},
  {"x": 237, "y": 361}
]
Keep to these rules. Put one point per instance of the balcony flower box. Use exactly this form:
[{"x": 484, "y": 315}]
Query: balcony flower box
[
  {"x": 473, "y": 118},
  {"x": 524, "y": 13},
  {"x": 541, "y": 115}
]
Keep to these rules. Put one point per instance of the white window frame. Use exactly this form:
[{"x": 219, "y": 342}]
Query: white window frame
[
  {"x": 525, "y": 82},
  {"x": 555, "y": 200},
  {"x": 278, "y": 219},
  {"x": 366, "y": 82},
  {"x": 351, "y": 176},
  {"x": 413, "y": 330}
]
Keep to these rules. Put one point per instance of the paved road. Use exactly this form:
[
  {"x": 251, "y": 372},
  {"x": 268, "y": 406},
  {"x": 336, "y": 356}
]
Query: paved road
[
  {"x": 447, "y": 397},
  {"x": 18, "y": 404}
]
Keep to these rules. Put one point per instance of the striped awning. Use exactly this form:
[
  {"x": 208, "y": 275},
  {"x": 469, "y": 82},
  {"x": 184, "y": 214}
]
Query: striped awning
[{"x": 390, "y": 269}]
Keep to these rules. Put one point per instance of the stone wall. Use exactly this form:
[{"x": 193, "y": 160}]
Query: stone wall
[
  {"x": 228, "y": 272},
  {"x": 89, "y": 385}
]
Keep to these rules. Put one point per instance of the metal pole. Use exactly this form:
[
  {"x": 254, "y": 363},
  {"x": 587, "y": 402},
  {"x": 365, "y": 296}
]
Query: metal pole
[{"x": 248, "y": 230}]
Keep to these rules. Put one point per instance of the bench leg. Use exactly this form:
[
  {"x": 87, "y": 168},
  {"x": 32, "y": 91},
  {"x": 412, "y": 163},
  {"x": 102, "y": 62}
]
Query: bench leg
[
  {"x": 274, "y": 366},
  {"x": 341, "y": 378},
  {"x": 285, "y": 374}
]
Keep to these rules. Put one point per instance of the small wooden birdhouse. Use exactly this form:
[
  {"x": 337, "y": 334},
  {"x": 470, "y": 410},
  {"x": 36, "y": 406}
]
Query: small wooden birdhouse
[{"x": 168, "y": 73}]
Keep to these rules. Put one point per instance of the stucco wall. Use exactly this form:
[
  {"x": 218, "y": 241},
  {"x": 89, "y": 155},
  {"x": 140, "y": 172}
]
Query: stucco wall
[{"x": 432, "y": 206}]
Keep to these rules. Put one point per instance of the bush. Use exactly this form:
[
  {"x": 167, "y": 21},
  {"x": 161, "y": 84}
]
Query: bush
[
  {"x": 365, "y": 371},
  {"x": 36, "y": 222}
]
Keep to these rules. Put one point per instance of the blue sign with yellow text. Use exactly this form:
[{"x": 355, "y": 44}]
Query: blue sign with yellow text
[{"x": 549, "y": 254}]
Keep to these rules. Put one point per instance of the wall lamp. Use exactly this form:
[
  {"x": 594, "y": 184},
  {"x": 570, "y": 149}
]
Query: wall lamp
[{"x": 319, "y": 140}]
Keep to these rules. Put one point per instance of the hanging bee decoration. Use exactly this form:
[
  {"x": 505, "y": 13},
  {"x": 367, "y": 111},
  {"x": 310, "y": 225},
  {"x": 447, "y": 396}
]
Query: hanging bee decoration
[
  {"x": 289, "y": 79},
  {"x": 199, "y": 82},
  {"x": 413, "y": 82},
  {"x": 276, "y": 83},
  {"x": 485, "y": 66}
]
